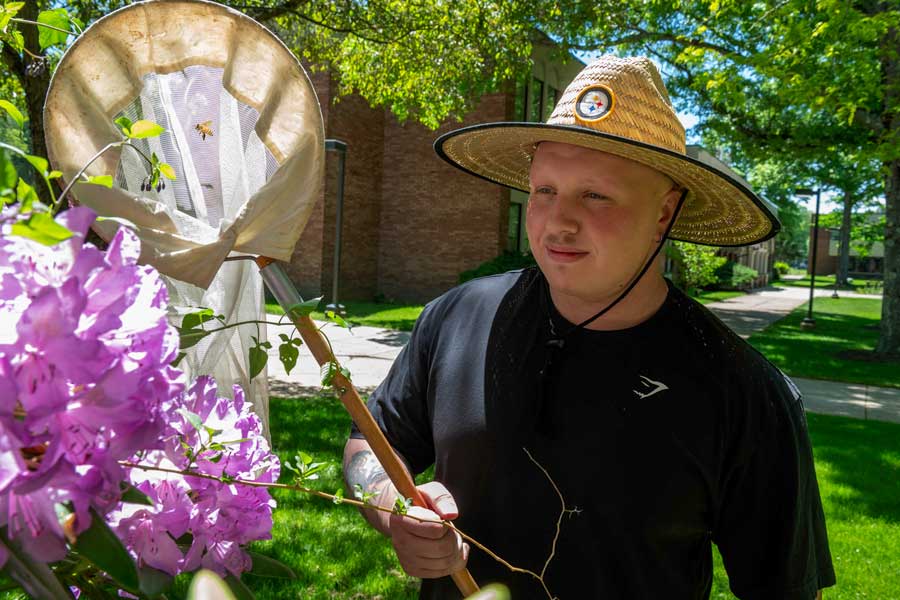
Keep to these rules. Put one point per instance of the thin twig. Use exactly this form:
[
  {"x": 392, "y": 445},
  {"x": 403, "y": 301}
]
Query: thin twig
[
  {"x": 18, "y": 20},
  {"x": 563, "y": 513},
  {"x": 127, "y": 143},
  {"x": 337, "y": 499}
]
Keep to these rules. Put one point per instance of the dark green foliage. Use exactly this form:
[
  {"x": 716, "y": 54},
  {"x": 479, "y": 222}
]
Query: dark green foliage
[
  {"x": 508, "y": 261},
  {"x": 734, "y": 276}
]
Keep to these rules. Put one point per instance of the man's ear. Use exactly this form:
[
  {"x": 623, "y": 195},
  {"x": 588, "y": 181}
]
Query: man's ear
[{"x": 667, "y": 209}]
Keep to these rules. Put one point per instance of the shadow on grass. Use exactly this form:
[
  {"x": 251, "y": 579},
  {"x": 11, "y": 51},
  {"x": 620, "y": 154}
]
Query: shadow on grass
[
  {"x": 333, "y": 551},
  {"x": 823, "y": 352},
  {"x": 861, "y": 458}
]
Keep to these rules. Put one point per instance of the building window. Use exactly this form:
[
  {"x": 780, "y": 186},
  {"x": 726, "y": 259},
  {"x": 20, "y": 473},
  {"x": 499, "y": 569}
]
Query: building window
[
  {"x": 520, "y": 110},
  {"x": 514, "y": 228},
  {"x": 550, "y": 103},
  {"x": 537, "y": 100}
]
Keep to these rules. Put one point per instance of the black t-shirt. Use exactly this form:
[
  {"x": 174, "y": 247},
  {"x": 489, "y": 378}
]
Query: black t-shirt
[{"x": 661, "y": 439}]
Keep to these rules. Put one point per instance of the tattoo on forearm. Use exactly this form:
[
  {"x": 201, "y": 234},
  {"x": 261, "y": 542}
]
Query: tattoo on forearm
[{"x": 365, "y": 470}]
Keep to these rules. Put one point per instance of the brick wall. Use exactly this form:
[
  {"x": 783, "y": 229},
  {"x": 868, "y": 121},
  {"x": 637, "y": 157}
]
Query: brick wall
[
  {"x": 362, "y": 128},
  {"x": 411, "y": 223},
  {"x": 436, "y": 221}
]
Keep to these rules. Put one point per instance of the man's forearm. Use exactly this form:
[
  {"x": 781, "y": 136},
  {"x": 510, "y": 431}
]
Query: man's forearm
[{"x": 362, "y": 471}]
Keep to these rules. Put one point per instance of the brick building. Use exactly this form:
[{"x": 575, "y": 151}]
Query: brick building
[
  {"x": 411, "y": 222},
  {"x": 828, "y": 250}
]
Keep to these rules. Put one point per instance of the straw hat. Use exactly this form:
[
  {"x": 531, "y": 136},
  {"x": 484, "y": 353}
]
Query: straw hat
[{"x": 620, "y": 106}]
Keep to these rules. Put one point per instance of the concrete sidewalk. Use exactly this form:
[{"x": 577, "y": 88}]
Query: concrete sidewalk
[{"x": 369, "y": 352}]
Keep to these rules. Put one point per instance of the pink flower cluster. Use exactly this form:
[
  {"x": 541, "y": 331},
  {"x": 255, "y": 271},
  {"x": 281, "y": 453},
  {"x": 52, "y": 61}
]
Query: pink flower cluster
[
  {"x": 198, "y": 522},
  {"x": 85, "y": 349}
]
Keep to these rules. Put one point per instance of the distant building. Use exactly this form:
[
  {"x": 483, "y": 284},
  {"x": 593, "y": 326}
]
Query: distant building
[{"x": 828, "y": 252}]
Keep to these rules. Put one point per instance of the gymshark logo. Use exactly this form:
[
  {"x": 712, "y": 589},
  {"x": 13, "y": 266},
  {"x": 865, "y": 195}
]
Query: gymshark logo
[{"x": 650, "y": 387}]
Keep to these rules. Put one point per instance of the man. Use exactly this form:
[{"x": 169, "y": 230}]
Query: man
[{"x": 587, "y": 421}]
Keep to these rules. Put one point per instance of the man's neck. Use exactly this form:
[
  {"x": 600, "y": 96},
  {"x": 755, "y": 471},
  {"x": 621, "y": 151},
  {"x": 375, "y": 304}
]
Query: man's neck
[{"x": 640, "y": 304}]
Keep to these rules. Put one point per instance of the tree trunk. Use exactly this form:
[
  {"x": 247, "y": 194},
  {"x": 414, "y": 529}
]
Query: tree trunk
[
  {"x": 35, "y": 82},
  {"x": 844, "y": 253},
  {"x": 889, "y": 340}
]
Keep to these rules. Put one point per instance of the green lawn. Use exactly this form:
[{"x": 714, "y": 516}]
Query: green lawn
[
  {"x": 336, "y": 556},
  {"x": 845, "y": 324},
  {"x": 827, "y": 281},
  {"x": 374, "y": 314},
  {"x": 706, "y": 297}
]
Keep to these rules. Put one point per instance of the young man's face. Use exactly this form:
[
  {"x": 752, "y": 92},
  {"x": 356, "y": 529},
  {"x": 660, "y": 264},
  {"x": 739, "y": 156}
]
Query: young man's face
[{"x": 593, "y": 218}]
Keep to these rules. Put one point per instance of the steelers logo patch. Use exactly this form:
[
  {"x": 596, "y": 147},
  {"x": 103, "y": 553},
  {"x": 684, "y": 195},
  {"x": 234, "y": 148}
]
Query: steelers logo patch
[{"x": 594, "y": 103}]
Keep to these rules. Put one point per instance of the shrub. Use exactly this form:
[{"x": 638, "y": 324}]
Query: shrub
[
  {"x": 508, "y": 261},
  {"x": 734, "y": 276},
  {"x": 781, "y": 268},
  {"x": 696, "y": 265}
]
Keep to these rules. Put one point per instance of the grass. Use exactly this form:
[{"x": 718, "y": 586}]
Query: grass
[
  {"x": 842, "y": 325},
  {"x": 374, "y": 314},
  {"x": 827, "y": 281},
  {"x": 337, "y": 556},
  {"x": 706, "y": 297}
]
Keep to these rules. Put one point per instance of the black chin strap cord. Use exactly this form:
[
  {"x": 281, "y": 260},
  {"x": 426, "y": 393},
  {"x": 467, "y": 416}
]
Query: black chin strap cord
[{"x": 560, "y": 341}]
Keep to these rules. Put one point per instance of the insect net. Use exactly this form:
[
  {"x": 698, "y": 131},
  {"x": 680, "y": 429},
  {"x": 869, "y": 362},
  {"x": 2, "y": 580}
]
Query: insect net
[{"x": 244, "y": 135}]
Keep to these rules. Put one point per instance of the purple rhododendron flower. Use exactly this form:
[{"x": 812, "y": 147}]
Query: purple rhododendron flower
[
  {"x": 85, "y": 349},
  {"x": 219, "y": 517}
]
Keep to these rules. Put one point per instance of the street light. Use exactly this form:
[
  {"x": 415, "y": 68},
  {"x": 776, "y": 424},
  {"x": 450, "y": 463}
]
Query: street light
[
  {"x": 809, "y": 322},
  {"x": 341, "y": 148}
]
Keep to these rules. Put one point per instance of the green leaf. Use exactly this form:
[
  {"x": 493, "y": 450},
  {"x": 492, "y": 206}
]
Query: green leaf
[
  {"x": 337, "y": 319},
  {"x": 258, "y": 359},
  {"x": 193, "y": 418},
  {"x": 328, "y": 371},
  {"x": 338, "y": 496},
  {"x": 41, "y": 228},
  {"x": 402, "y": 505},
  {"x": 47, "y": 37},
  {"x": 190, "y": 337},
  {"x": 125, "y": 124},
  {"x": 132, "y": 495},
  {"x": 145, "y": 129},
  {"x": 304, "y": 308},
  {"x": 104, "y": 180},
  {"x": 102, "y": 546},
  {"x": 178, "y": 359},
  {"x": 207, "y": 585},
  {"x": 239, "y": 588},
  {"x": 26, "y": 195},
  {"x": 305, "y": 458},
  {"x": 288, "y": 354},
  {"x": 54, "y": 174},
  {"x": 8, "y": 175},
  {"x": 13, "y": 112},
  {"x": 263, "y": 566},
  {"x": 8, "y": 11},
  {"x": 154, "y": 582},
  {"x": 193, "y": 319},
  {"x": 16, "y": 41},
  {"x": 167, "y": 170},
  {"x": 40, "y": 164}
]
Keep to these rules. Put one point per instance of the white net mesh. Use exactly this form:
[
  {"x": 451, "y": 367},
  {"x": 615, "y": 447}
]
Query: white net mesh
[
  {"x": 211, "y": 142},
  {"x": 244, "y": 135}
]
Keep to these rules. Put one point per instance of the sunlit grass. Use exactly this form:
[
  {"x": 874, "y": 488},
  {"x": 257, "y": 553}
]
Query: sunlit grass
[
  {"x": 845, "y": 324},
  {"x": 338, "y": 557},
  {"x": 375, "y": 314}
]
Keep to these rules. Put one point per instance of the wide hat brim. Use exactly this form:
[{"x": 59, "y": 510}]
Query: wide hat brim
[{"x": 719, "y": 209}]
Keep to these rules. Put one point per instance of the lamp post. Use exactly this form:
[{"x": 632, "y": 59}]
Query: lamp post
[
  {"x": 341, "y": 148},
  {"x": 809, "y": 322}
]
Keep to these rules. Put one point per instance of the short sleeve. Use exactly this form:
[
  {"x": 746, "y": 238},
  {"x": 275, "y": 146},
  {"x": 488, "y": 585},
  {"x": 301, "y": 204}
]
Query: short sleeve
[
  {"x": 400, "y": 403},
  {"x": 770, "y": 527}
]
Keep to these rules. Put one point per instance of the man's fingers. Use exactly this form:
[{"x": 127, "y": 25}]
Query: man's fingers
[
  {"x": 426, "y": 528},
  {"x": 439, "y": 499}
]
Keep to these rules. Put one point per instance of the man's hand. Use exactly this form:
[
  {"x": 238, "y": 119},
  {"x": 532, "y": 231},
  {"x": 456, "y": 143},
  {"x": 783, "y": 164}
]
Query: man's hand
[{"x": 429, "y": 550}]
